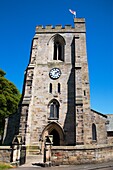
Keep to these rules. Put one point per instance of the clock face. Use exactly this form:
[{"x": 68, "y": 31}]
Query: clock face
[{"x": 55, "y": 73}]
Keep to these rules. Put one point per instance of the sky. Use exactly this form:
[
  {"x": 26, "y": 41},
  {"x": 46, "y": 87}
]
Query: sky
[{"x": 18, "y": 20}]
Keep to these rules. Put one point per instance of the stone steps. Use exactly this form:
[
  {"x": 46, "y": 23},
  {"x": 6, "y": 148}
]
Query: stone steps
[{"x": 34, "y": 159}]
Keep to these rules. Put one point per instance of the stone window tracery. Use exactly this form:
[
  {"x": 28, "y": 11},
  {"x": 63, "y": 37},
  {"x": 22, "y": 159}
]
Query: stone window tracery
[
  {"x": 54, "y": 109},
  {"x": 58, "y": 53}
]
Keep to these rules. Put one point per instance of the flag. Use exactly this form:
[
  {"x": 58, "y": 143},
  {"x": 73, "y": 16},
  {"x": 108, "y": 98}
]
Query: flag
[{"x": 73, "y": 12}]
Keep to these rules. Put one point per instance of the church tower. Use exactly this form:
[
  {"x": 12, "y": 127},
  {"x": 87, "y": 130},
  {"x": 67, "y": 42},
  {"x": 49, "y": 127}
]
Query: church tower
[{"x": 56, "y": 98}]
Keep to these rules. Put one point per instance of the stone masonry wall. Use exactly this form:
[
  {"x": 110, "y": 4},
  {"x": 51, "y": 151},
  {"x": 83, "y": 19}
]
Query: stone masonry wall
[
  {"x": 5, "y": 154},
  {"x": 100, "y": 121},
  {"x": 81, "y": 154}
]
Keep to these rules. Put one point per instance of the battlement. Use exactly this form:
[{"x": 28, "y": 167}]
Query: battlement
[
  {"x": 79, "y": 26},
  {"x": 48, "y": 27}
]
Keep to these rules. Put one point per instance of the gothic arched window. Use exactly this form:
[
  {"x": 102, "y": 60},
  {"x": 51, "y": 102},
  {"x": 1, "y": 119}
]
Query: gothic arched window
[
  {"x": 94, "y": 133},
  {"x": 54, "y": 109},
  {"x": 59, "y": 43}
]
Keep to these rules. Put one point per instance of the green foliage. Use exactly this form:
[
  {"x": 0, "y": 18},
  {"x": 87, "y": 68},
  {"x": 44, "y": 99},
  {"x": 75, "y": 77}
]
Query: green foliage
[
  {"x": 9, "y": 97},
  {"x": 2, "y": 73},
  {"x": 5, "y": 166}
]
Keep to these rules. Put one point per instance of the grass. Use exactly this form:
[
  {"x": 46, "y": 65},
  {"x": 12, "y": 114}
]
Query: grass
[{"x": 5, "y": 166}]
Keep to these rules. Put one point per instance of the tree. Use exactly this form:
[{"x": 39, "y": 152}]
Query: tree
[{"x": 9, "y": 99}]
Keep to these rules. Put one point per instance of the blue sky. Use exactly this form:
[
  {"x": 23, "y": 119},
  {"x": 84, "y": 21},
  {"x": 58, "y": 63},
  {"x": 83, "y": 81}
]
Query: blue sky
[{"x": 18, "y": 19}]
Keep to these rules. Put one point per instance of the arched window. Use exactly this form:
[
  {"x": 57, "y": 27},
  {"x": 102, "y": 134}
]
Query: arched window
[
  {"x": 54, "y": 109},
  {"x": 94, "y": 133},
  {"x": 50, "y": 88},
  {"x": 58, "y": 87},
  {"x": 59, "y": 43}
]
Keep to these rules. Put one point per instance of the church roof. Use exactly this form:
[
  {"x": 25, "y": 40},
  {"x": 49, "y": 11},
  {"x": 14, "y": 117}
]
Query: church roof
[{"x": 99, "y": 113}]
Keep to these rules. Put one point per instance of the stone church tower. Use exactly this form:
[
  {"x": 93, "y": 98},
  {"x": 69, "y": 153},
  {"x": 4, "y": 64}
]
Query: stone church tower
[{"x": 56, "y": 97}]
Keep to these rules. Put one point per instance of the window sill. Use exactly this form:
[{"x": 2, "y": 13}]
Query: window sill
[
  {"x": 55, "y": 61},
  {"x": 94, "y": 142},
  {"x": 52, "y": 118}
]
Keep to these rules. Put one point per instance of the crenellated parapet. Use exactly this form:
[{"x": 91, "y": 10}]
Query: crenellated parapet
[
  {"x": 39, "y": 27},
  {"x": 79, "y": 26}
]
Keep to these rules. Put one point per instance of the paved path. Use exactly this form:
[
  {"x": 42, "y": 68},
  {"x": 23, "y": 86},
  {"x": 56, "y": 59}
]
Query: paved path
[{"x": 102, "y": 166}]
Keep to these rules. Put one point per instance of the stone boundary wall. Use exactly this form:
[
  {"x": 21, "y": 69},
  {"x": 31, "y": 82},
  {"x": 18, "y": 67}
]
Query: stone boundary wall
[
  {"x": 110, "y": 140},
  {"x": 5, "y": 154},
  {"x": 81, "y": 154}
]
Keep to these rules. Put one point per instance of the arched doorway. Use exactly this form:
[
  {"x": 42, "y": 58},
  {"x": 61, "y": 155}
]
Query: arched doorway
[
  {"x": 56, "y": 130},
  {"x": 56, "y": 137}
]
